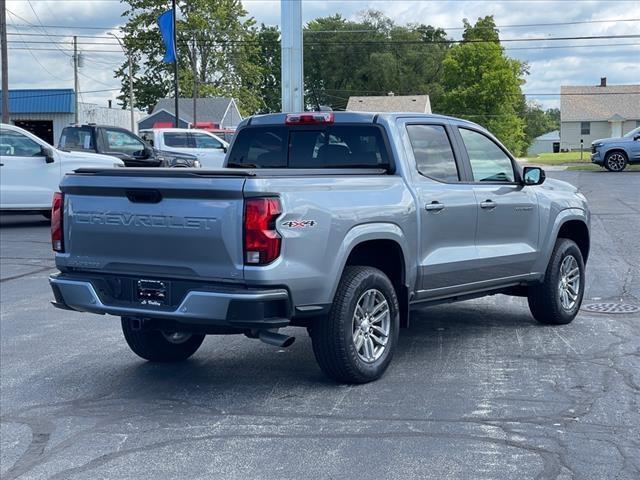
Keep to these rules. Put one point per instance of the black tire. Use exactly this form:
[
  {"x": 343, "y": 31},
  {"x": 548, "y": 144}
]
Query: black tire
[
  {"x": 332, "y": 338},
  {"x": 545, "y": 300},
  {"x": 155, "y": 346},
  {"x": 615, "y": 161}
]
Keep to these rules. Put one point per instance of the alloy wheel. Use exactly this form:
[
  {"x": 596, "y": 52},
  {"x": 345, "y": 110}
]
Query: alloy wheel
[
  {"x": 569, "y": 282},
  {"x": 371, "y": 325}
]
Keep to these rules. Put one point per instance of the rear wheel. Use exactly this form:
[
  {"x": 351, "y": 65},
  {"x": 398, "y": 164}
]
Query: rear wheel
[
  {"x": 615, "y": 161},
  {"x": 355, "y": 343},
  {"x": 557, "y": 300},
  {"x": 160, "y": 346}
]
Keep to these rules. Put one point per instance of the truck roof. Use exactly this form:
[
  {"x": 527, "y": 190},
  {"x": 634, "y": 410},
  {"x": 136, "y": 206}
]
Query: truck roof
[{"x": 352, "y": 117}]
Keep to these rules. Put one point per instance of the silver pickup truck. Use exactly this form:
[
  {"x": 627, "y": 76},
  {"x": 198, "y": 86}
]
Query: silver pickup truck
[{"x": 338, "y": 222}]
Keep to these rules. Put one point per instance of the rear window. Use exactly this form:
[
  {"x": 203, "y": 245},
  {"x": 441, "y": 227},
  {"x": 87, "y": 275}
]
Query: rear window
[
  {"x": 77, "y": 138},
  {"x": 336, "y": 146}
]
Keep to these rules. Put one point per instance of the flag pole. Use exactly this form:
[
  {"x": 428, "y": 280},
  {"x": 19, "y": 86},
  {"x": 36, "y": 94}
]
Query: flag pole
[{"x": 175, "y": 62}]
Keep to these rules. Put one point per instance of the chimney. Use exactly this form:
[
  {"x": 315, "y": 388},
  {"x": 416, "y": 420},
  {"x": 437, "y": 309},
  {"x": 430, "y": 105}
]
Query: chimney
[
  {"x": 109, "y": 103},
  {"x": 603, "y": 81}
]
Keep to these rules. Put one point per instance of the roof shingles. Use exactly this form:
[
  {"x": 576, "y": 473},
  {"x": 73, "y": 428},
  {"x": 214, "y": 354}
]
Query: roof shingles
[{"x": 589, "y": 104}]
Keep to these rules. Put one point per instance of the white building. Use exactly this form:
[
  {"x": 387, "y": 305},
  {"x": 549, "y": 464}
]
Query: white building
[
  {"x": 45, "y": 112},
  {"x": 591, "y": 113}
]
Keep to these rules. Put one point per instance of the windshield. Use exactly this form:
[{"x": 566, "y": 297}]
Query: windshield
[
  {"x": 333, "y": 146},
  {"x": 632, "y": 133}
]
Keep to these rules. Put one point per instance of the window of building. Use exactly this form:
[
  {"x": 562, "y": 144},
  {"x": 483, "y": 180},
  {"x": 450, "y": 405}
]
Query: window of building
[{"x": 585, "y": 128}]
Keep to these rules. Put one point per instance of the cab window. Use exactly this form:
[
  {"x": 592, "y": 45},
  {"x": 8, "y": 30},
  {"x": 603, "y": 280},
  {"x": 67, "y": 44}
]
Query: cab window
[
  {"x": 123, "y": 142},
  {"x": 433, "y": 152},
  {"x": 489, "y": 163},
  {"x": 15, "y": 144},
  {"x": 177, "y": 139},
  {"x": 202, "y": 140}
]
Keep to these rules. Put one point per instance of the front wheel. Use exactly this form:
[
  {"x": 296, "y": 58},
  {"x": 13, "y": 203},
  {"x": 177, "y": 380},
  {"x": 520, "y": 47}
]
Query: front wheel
[
  {"x": 557, "y": 299},
  {"x": 160, "y": 346},
  {"x": 615, "y": 161},
  {"x": 355, "y": 343}
]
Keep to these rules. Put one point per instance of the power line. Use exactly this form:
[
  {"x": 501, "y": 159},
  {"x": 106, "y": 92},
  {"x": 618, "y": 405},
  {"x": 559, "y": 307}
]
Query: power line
[
  {"x": 38, "y": 61},
  {"x": 15, "y": 97},
  {"x": 550, "y": 24}
]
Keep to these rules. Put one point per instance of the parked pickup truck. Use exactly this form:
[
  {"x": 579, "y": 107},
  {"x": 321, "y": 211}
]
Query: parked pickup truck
[
  {"x": 338, "y": 222},
  {"x": 121, "y": 143},
  {"x": 206, "y": 147}
]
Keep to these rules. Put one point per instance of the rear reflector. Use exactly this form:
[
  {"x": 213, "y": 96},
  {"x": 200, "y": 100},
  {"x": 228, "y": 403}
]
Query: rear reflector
[
  {"x": 261, "y": 240},
  {"x": 57, "y": 234},
  {"x": 311, "y": 118}
]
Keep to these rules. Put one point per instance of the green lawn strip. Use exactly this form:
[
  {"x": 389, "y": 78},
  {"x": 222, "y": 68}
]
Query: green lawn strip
[
  {"x": 564, "y": 158},
  {"x": 590, "y": 167}
]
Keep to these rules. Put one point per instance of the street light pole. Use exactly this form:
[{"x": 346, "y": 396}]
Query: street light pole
[{"x": 133, "y": 123}]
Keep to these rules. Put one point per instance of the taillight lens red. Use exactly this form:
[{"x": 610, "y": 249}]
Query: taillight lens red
[
  {"x": 261, "y": 240},
  {"x": 57, "y": 235},
  {"x": 311, "y": 118}
]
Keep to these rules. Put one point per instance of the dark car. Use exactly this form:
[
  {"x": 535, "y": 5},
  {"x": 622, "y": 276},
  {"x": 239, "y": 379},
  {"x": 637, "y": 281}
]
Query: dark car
[{"x": 120, "y": 143}]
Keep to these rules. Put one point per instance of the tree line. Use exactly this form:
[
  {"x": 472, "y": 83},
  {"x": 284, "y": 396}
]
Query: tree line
[{"x": 223, "y": 52}]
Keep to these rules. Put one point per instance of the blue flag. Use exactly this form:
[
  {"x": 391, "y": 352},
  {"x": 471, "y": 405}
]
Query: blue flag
[{"x": 165, "y": 22}]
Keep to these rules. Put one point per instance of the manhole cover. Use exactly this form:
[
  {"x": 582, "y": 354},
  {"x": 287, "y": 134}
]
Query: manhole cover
[{"x": 611, "y": 308}]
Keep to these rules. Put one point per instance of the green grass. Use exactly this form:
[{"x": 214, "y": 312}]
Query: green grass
[
  {"x": 564, "y": 158},
  {"x": 590, "y": 167}
]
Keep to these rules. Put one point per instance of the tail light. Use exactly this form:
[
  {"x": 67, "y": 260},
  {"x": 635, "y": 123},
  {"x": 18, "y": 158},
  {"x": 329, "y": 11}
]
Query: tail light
[
  {"x": 261, "y": 240},
  {"x": 57, "y": 234},
  {"x": 312, "y": 118}
]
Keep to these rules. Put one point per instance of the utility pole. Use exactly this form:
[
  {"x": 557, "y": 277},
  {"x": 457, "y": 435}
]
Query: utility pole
[
  {"x": 292, "y": 68},
  {"x": 130, "y": 62},
  {"x": 75, "y": 76},
  {"x": 175, "y": 61},
  {"x": 195, "y": 81},
  {"x": 5, "y": 62}
]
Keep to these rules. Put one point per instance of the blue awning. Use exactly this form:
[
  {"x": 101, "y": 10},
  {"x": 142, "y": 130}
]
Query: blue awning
[{"x": 53, "y": 100}]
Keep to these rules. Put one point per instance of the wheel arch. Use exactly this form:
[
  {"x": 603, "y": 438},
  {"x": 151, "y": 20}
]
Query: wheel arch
[{"x": 381, "y": 246}]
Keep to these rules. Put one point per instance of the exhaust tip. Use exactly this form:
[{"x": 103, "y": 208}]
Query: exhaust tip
[{"x": 274, "y": 338}]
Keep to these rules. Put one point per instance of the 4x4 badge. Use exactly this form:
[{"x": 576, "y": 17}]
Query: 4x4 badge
[{"x": 299, "y": 223}]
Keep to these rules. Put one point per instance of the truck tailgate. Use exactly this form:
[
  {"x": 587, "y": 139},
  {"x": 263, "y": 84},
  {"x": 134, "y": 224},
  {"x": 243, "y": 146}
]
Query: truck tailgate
[{"x": 169, "y": 223}]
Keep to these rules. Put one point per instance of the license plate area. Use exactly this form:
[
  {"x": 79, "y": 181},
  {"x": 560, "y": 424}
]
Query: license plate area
[{"x": 154, "y": 293}]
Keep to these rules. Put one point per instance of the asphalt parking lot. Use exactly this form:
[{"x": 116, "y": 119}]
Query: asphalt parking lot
[{"x": 477, "y": 390}]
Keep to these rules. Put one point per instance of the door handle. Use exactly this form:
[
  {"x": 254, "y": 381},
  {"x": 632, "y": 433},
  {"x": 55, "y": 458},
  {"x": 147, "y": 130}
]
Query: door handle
[
  {"x": 434, "y": 206},
  {"x": 488, "y": 204}
]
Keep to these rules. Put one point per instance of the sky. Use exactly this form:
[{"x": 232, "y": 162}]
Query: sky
[{"x": 578, "y": 62}]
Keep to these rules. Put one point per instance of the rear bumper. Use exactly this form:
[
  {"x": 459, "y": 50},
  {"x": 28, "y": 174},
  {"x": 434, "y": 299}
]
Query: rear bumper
[{"x": 237, "y": 308}]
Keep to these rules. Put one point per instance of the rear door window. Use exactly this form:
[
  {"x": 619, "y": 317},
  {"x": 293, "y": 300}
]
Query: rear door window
[
  {"x": 177, "y": 140},
  {"x": 335, "y": 146},
  {"x": 433, "y": 152}
]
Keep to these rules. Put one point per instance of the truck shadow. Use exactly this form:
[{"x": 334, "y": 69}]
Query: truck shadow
[{"x": 233, "y": 364}]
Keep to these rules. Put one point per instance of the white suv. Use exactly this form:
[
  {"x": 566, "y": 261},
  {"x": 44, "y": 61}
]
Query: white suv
[{"x": 207, "y": 147}]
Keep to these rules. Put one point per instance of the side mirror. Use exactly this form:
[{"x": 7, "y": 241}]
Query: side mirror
[
  {"x": 533, "y": 176},
  {"x": 636, "y": 137},
  {"x": 48, "y": 154},
  {"x": 224, "y": 149}
]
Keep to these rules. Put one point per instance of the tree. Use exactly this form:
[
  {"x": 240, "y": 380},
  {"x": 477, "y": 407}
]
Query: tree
[
  {"x": 214, "y": 44},
  {"x": 482, "y": 84},
  {"x": 539, "y": 121},
  {"x": 370, "y": 56},
  {"x": 269, "y": 55}
]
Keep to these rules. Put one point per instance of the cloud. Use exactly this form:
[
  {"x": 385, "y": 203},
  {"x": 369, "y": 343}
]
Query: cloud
[{"x": 549, "y": 67}]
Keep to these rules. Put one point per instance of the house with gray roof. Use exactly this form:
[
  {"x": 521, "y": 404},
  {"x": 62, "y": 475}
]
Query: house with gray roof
[
  {"x": 546, "y": 143},
  {"x": 390, "y": 103},
  {"x": 589, "y": 113},
  {"x": 210, "y": 112}
]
